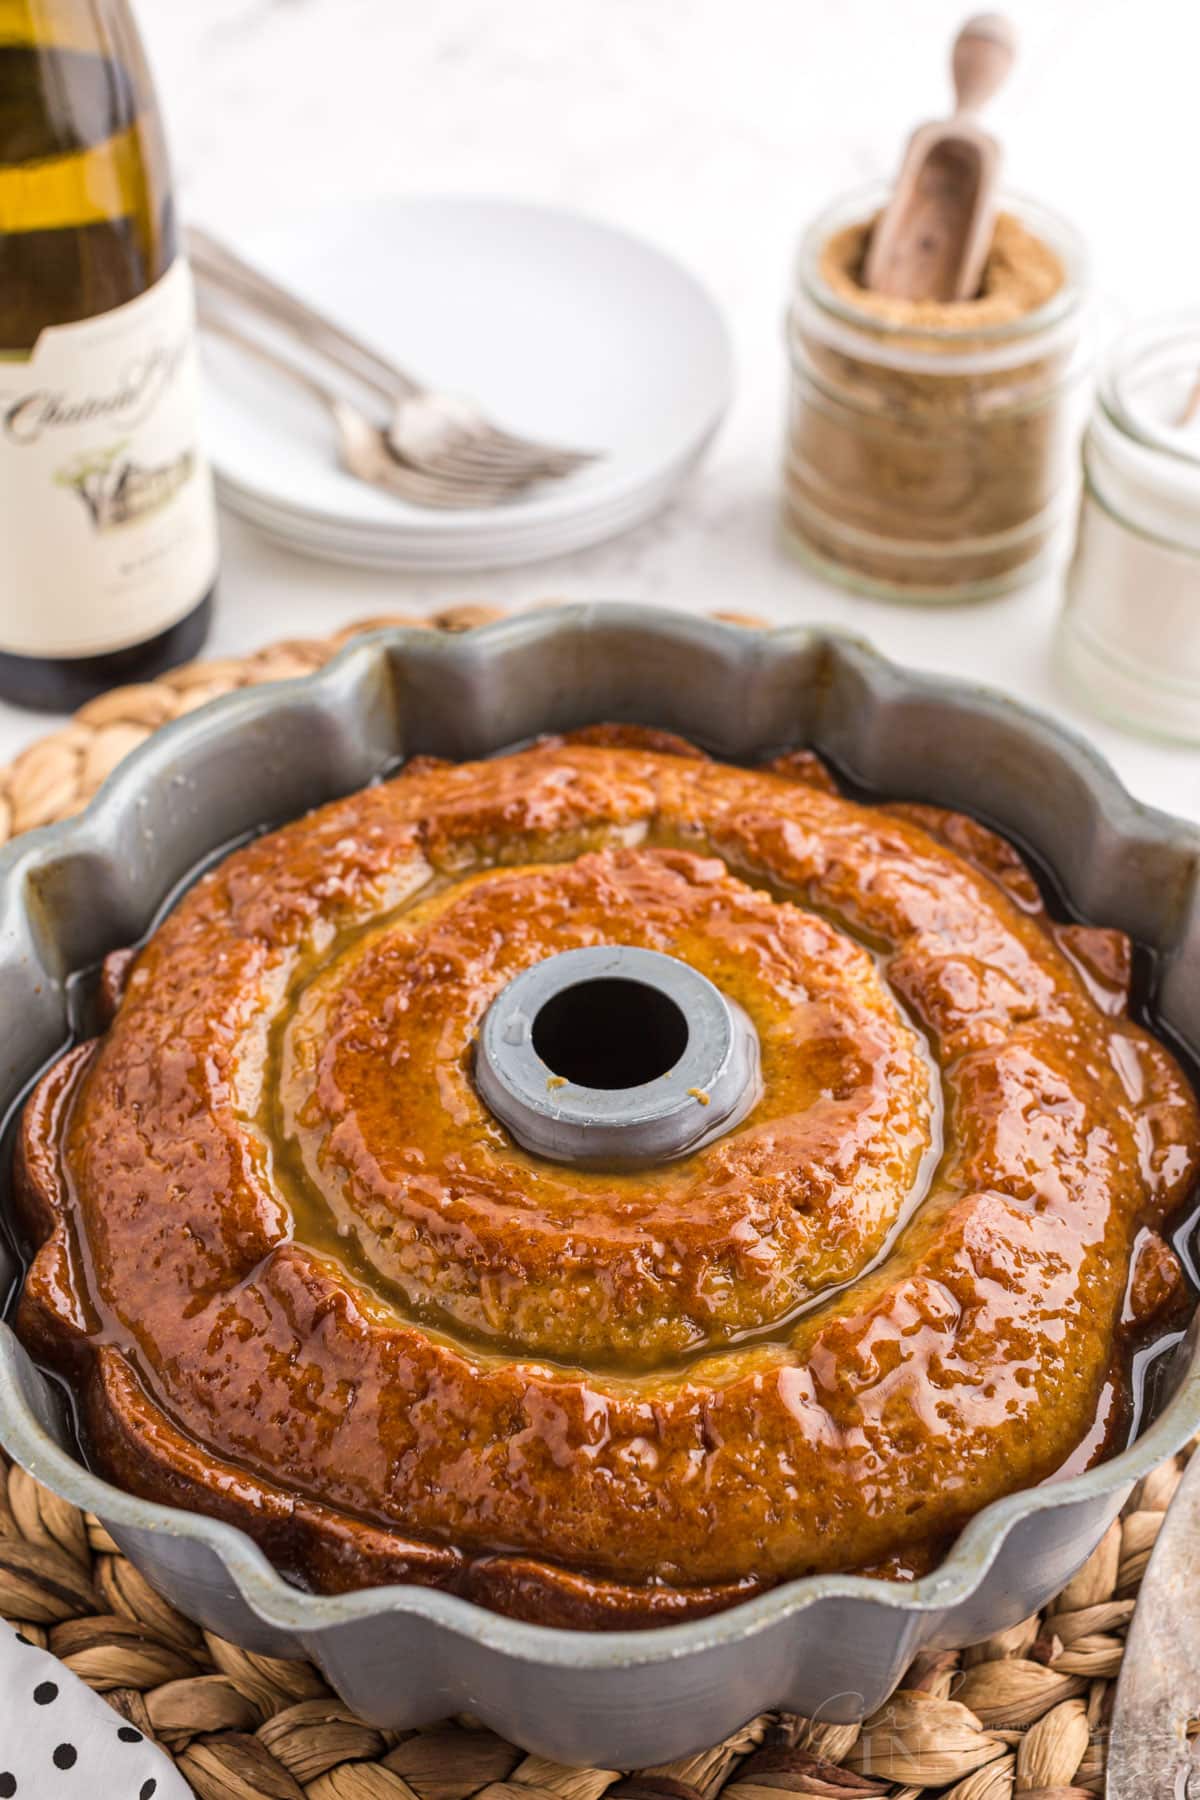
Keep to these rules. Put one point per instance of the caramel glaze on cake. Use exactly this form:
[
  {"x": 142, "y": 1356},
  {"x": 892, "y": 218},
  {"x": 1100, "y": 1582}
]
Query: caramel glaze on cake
[{"x": 301, "y": 1279}]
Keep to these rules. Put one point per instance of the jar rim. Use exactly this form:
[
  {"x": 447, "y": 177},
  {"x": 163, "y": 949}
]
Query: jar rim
[
  {"x": 1134, "y": 355},
  {"x": 858, "y": 204},
  {"x": 1158, "y": 535}
]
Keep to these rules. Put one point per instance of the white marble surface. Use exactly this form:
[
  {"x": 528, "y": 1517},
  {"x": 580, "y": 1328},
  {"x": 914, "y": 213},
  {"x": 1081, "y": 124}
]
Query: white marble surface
[{"x": 716, "y": 128}]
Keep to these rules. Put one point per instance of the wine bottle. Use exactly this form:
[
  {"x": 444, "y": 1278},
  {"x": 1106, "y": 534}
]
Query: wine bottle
[{"x": 108, "y": 547}]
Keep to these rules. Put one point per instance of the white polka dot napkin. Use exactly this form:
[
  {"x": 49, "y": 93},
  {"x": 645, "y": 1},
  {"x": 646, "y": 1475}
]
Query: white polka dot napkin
[{"x": 59, "y": 1741}]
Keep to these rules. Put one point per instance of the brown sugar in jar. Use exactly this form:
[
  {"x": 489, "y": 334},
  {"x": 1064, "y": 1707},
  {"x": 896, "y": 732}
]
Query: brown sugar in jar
[{"x": 930, "y": 445}]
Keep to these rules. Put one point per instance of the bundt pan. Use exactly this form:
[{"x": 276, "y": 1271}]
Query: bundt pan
[{"x": 833, "y": 1645}]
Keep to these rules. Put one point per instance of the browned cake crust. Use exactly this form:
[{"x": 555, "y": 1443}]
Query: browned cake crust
[{"x": 303, "y": 1280}]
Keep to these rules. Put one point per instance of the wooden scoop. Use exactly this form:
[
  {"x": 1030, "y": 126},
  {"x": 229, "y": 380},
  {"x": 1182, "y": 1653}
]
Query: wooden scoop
[{"x": 933, "y": 239}]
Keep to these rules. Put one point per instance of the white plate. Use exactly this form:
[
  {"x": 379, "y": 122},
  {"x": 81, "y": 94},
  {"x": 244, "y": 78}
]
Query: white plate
[
  {"x": 399, "y": 554},
  {"x": 505, "y": 530},
  {"x": 505, "y": 527},
  {"x": 560, "y": 327}
]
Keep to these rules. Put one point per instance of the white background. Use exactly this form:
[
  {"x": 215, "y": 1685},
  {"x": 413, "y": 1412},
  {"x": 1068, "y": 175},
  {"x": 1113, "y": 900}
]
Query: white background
[{"x": 716, "y": 128}]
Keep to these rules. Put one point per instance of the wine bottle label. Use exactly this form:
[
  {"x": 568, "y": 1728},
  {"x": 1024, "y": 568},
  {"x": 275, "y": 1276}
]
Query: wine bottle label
[{"x": 107, "y": 527}]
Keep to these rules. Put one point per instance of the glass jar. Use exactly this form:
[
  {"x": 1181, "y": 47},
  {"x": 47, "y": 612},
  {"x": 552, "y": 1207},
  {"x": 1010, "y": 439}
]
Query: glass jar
[
  {"x": 931, "y": 456},
  {"x": 1129, "y": 637}
]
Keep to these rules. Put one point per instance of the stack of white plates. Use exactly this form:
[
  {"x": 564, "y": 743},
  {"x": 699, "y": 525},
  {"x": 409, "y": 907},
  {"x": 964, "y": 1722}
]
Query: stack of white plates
[{"x": 561, "y": 328}]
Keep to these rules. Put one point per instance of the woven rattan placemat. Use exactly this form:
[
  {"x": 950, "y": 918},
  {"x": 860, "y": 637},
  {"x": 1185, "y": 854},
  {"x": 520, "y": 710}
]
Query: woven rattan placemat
[{"x": 1025, "y": 1713}]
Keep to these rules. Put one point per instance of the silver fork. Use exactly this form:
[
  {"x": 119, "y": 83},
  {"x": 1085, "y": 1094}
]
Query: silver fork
[
  {"x": 443, "y": 433},
  {"x": 362, "y": 446}
]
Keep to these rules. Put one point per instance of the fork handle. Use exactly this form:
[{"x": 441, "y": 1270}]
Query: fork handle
[
  {"x": 224, "y": 287},
  {"x": 217, "y": 326},
  {"x": 215, "y": 261}
]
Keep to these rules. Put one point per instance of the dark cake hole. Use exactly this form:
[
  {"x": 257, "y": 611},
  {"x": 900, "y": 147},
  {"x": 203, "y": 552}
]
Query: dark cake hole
[{"x": 610, "y": 1033}]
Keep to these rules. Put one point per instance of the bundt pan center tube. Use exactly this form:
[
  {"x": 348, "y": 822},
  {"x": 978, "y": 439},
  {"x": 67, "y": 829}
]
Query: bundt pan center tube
[
  {"x": 645, "y": 1008},
  {"x": 615, "y": 1055}
]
